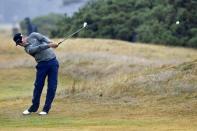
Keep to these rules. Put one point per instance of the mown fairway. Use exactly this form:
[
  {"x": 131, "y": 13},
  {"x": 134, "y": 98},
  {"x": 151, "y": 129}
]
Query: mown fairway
[{"x": 103, "y": 85}]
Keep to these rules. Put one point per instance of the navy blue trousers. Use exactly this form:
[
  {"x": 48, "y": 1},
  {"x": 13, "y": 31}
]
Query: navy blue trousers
[{"x": 45, "y": 69}]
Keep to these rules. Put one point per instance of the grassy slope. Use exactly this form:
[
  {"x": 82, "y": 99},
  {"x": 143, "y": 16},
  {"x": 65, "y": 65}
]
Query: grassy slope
[{"x": 104, "y": 85}]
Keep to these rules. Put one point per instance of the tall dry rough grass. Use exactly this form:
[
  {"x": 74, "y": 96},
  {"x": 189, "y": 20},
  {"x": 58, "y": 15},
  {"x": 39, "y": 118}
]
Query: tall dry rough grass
[{"x": 109, "y": 68}]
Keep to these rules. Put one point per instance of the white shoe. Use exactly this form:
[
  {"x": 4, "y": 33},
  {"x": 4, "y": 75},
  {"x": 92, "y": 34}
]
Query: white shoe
[
  {"x": 26, "y": 112},
  {"x": 43, "y": 113}
]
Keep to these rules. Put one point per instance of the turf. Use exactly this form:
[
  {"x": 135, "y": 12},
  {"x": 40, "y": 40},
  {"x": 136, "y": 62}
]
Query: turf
[{"x": 103, "y": 85}]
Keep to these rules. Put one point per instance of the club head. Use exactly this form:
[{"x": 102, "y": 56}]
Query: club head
[{"x": 85, "y": 24}]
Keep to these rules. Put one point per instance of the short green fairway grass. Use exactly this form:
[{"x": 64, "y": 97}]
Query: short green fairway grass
[{"x": 82, "y": 115}]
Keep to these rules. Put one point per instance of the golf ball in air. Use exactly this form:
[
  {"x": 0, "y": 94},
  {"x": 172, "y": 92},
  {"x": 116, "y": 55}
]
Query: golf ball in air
[{"x": 177, "y": 22}]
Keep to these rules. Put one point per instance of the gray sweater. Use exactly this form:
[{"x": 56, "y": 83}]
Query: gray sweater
[{"x": 37, "y": 46}]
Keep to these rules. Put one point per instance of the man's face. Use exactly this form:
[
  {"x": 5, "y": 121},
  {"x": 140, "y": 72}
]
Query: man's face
[{"x": 24, "y": 41}]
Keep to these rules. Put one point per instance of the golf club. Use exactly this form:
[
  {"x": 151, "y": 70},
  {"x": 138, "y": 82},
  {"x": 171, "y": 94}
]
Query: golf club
[{"x": 67, "y": 37}]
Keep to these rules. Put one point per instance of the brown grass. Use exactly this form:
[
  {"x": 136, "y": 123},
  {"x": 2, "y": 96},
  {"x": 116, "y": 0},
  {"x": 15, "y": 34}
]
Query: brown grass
[{"x": 104, "y": 85}]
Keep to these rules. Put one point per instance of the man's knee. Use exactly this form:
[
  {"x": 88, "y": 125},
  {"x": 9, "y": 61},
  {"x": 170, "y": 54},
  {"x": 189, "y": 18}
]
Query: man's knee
[{"x": 38, "y": 84}]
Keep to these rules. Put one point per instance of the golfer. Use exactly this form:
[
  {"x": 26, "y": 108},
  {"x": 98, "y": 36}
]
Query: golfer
[{"x": 40, "y": 47}]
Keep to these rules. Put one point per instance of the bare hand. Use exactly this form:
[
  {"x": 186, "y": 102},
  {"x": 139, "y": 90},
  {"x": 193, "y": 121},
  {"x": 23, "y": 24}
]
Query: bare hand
[{"x": 53, "y": 45}]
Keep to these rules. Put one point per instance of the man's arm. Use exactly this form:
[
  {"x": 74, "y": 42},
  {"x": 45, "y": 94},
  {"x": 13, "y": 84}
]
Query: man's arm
[
  {"x": 40, "y": 37},
  {"x": 35, "y": 49}
]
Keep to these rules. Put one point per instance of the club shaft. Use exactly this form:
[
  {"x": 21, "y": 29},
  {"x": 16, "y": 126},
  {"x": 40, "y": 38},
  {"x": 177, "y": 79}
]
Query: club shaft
[{"x": 67, "y": 37}]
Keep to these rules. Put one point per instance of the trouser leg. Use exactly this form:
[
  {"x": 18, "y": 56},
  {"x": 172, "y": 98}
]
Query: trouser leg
[
  {"x": 38, "y": 87},
  {"x": 52, "y": 86}
]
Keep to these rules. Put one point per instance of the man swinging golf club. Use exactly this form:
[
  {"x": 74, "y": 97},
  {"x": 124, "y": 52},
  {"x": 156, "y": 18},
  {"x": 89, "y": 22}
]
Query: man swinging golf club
[{"x": 40, "y": 47}]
